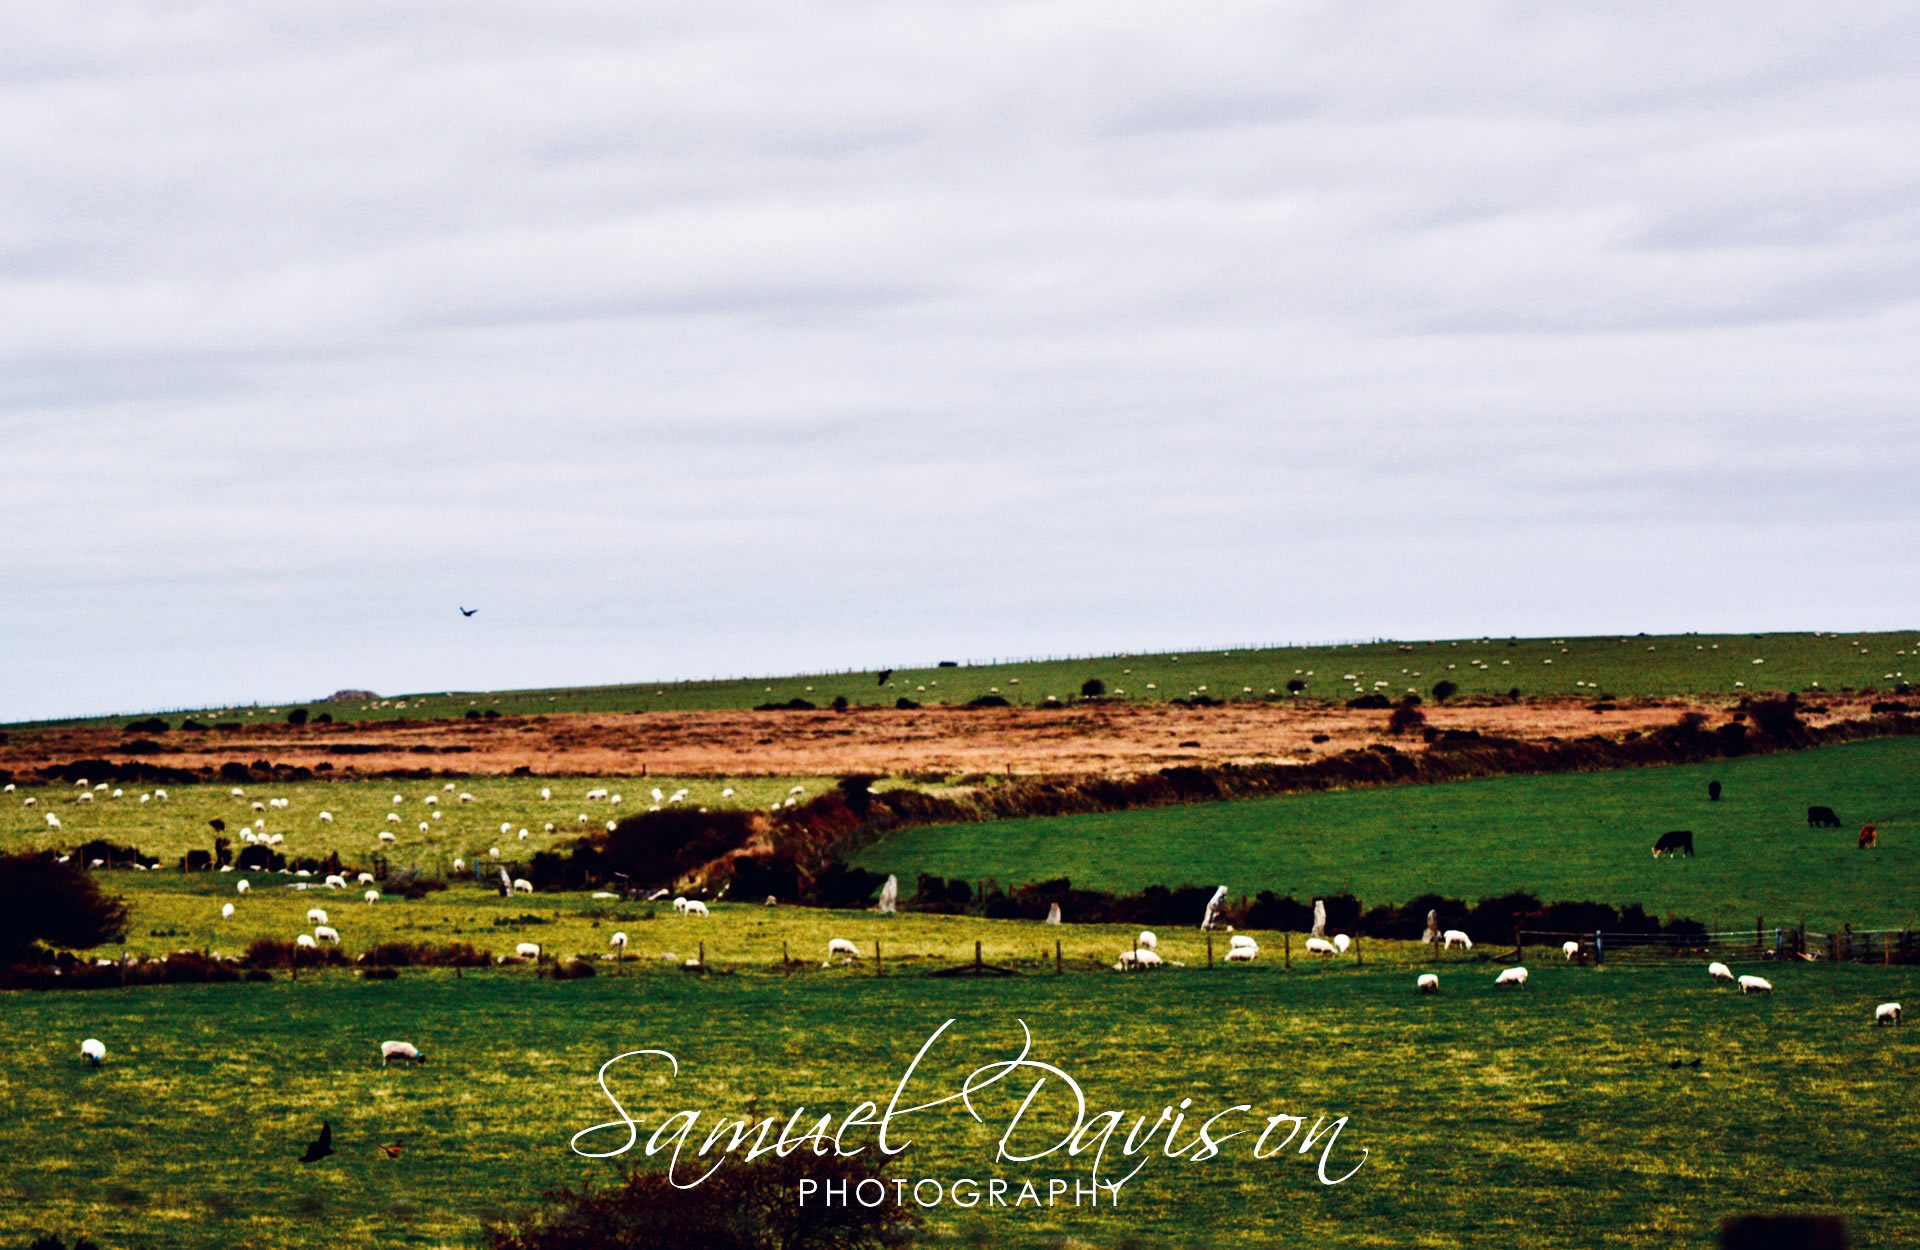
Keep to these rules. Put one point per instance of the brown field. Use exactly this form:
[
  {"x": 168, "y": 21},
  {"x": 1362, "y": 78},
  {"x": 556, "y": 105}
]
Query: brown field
[{"x": 1110, "y": 739}]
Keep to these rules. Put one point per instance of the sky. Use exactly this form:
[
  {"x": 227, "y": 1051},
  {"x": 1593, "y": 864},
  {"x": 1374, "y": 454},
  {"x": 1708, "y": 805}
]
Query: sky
[{"x": 710, "y": 339}]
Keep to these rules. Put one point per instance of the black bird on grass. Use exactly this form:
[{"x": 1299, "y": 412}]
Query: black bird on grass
[
  {"x": 467, "y": 611},
  {"x": 321, "y": 1146}
]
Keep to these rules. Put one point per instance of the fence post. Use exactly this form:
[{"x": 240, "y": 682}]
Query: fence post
[
  {"x": 1209, "y": 950},
  {"x": 786, "y": 960},
  {"x": 1519, "y": 951},
  {"x": 703, "y": 955},
  {"x": 1286, "y": 952},
  {"x": 976, "y": 959},
  {"x": 1358, "y": 962},
  {"x": 1056, "y": 954},
  {"x": 1599, "y": 948},
  {"x": 878, "y": 970}
]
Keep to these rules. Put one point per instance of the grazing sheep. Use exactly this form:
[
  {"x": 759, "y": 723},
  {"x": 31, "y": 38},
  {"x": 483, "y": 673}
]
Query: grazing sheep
[
  {"x": 258, "y": 806},
  {"x": 237, "y": 793},
  {"x": 528, "y": 950},
  {"x": 603, "y": 894},
  {"x": 94, "y": 1050},
  {"x": 1455, "y": 935},
  {"x": 398, "y": 799},
  {"x": 465, "y": 797},
  {"x": 316, "y": 916},
  {"x": 1427, "y": 984},
  {"x": 618, "y": 939},
  {"x": 388, "y": 836},
  {"x": 522, "y": 886},
  {"x": 840, "y": 946},
  {"x": 277, "y": 804},
  {"x": 161, "y": 795},
  {"x": 1138, "y": 961},
  {"x": 389, "y": 1051},
  {"x": 53, "y": 822},
  {"x": 546, "y": 792},
  {"x": 1755, "y": 985},
  {"x": 506, "y": 826},
  {"x": 306, "y": 940},
  {"x": 326, "y": 818},
  {"x": 1886, "y": 1013},
  {"x": 696, "y": 908},
  {"x": 335, "y": 881},
  {"x": 596, "y": 794},
  {"x": 1147, "y": 941},
  {"x": 1569, "y": 949},
  {"x": 373, "y": 896},
  {"x": 1242, "y": 949},
  {"x": 325, "y": 933},
  {"x": 432, "y": 800},
  {"x": 241, "y": 886},
  {"x": 1320, "y": 946},
  {"x": 1512, "y": 976},
  {"x": 448, "y": 787},
  {"x": 87, "y": 797},
  {"x": 459, "y": 865},
  {"x": 393, "y": 818},
  {"x": 226, "y": 911},
  {"x": 1719, "y": 972},
  {"x": 424, "y": 826},
  {"x": 365, "y": 878},
  {"x": 493, "y": 852},
  {"x": 680, "y": 904},
  {"x": 1341, "y": 942}
]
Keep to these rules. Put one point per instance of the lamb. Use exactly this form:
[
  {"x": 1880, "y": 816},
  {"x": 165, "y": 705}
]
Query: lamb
[
  {"x": 373, "y": 896},
  {"x": 1719, "y": 972},
  {"x": 1886, "y": 1013},
  {"x": 325, "y": 933},
  {"x": 1319, "y": 946},
  {"x": 1512, "y": 976},
  {"x": 94, "y": 1050},
  {"x": 680, "y": 904},
  {"x": 522, "y": 886},
  {"x": 405, "y": 1051},
  {"x": 258, "y": 806},
  {"x": 1456, "y": 935},
  {"x": 527, "y": 950},
  {"x": 1755, "y": 985},
  {"x": 1569, "y": 949},
  {"x": 316, "y": 916},
  {"x": 1137, "y": 961},
  {"x": 840, "y": 946},
  {"x": 1341, "y": 942},
  {"x": 1427, "y": 984},
  {"x": 696, "y": 908},
  {"x": 241, "y": 886},
  {"x": 1148, "y": 942}
]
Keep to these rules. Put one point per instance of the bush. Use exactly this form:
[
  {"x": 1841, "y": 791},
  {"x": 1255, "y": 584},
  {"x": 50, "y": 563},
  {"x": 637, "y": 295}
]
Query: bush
[
  {"x": 1296, "y": 686},
  {"x": 45, "y": 901},
  {"x": 297, "y": 717},
  {"x": 1444, "y": 690},
  {"x": 743, "y": 1206},
  {"x": 988, "y": 700},
  {"x": 1092, "y": 688},
  {"x": 905, "y": 704},
  {"x": 1367, "y": 702},
  {"x": 1406, "y": 719},
  {"x": 151, "y": 725}
]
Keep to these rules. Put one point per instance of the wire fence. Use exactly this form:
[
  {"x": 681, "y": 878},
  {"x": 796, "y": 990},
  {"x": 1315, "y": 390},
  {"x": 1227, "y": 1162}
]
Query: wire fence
[{"x": 1760, "y": 944}]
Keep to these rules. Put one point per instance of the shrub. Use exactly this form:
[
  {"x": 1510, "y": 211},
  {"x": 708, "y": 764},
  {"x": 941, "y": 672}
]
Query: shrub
[
  {"x": 297, "y": 717},
  {"x": 1092, "y": 688},
  {"x": 43, "y": 900},
  {"x": 988, "y": 700},
  {"x": 905, "y": 704},
  {"x": 151, "y": 725},
  {"x": 1296, "y": 686},
  {"x": 1369, "y": 702},
  {"x": 839, "y": 703},
  {"x": 743, "y": 1206},
  {"x": 1406, "y": 719},
  {"x": 1444, "y": 690}
]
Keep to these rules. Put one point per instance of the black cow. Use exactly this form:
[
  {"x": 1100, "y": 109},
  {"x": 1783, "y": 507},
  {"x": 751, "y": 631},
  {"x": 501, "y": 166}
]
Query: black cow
[
  {"x": 1673, "y": 843},
  {"x": 1822, "y": 818}
]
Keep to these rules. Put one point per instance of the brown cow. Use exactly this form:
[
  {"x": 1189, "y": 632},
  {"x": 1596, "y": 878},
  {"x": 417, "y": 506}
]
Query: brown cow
[{"x": 1869, "y": 836}]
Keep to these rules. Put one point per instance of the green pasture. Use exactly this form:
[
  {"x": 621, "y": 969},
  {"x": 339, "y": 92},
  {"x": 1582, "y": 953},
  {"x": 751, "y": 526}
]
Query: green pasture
[
  {"x": 1622, "y": 666},
  {"x": 1489, "y": 1118},
  {"x": 1566, "y": 836}
]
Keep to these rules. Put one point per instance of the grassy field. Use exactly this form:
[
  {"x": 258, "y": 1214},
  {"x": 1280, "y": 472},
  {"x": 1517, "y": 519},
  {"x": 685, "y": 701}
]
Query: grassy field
[
  {"x": 1489, "y": 1118},
  {"x": 1568, "y": 836},
  {"x": 1622, "y": 666}
]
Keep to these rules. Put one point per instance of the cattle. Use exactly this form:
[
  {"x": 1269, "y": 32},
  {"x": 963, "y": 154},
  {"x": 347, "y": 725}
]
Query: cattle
[
  {"x": 1713, "y": 791},
  {"x": 1673, "y": 843},
  {"x": 1869, "y": 836},
  {"x": 1822, "y": 818}
]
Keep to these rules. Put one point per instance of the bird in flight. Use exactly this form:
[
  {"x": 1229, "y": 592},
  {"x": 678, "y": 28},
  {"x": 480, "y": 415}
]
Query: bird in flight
[
  {"x": 468, "y": 611},
  {"x": 321, "y": 1146}
]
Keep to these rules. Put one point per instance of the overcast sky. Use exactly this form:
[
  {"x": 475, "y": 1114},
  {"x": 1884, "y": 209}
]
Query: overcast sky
[{"x": 704, "y": 339}]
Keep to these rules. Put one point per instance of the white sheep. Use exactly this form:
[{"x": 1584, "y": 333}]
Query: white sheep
[
  {"x": 1886, "y": 1013},
  {"x": 680, "y": 904},
  {"x": 161, "y": 795},
  {"x": 523, "y": 832},
  {"x": 596, "y": 794},
  {"x": 1755, "y": 985},
  {"x": 1719, "y": 972},
  {"x": 1320, "y": 946},
  {"x": 459, "y": 865},
  {"x": 1240, "y": 941},
  {"x": 727, "y": 793},
  {"x": 424, "y": 826},
  {"x": 277, "y": 804},
  {"x": 1569, "y": 949},
  {"x": 696, "y": 908},
  {"x": 465, "y": 797},
  {"x": 1427, "y": 983},
  {"x": 226, "y": 911},
  {"x": 619, "y": 940},
  {"x": 365, "y": 878},
  {"x": 1138, "y": 961},
  {"x": 522, "y": 886},
  {"x": 241, "y": 886},
  {"x": 1512, "y": 976},
  {"x": 335, "y": 881},
  {"x": 1456, "y": 935},
  {"x": 326, "y": 818},
  {"x": 527, "y": 950},
  {"x": 372, "y": 896},
  {"x": 398, "y": 799},
  {"x": 658, "y": 794},
  {"x": 1341, "y": 942},
  {"x": 86, "y": 797},
  {"x": 432, "y": 800},
  {"x": 316, "y": 916},
  {"x": 1243, "y": 954},
  {"x": 798, "y": 790},
  {"x": 546, "y": 792},
  {"x": 393, "y": 818},
  {"x": 237, "y": 793},
  {"x": 614, "y": 799},
  {"x": 306, "y": 941},
  {"x": 506, "y": 826},
  {"x": 94, "y": 1050},
  {"x": 258, "y": 806},
  {"x": 389, "y": 1051},
  {"x": 1148, "y": 941},
  {"x": 387, "y": 835},
  {"x": 841, "y": 946},
  {"x": 493, "y": 852},
  {"x": 326, "y": 933},
  {"x": 603, "y": 894}
]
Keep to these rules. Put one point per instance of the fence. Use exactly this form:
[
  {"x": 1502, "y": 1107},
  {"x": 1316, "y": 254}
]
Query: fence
[{"x": 1759, "y": 944}]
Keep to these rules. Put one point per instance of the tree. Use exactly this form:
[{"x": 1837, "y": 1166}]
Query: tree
[
  {"x": 1444, "y": 690},
  {"x": 43, "y": 900},
  {"x": 1092, "y": 688}
]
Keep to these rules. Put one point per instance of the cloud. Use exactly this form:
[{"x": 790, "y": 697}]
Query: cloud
[{"x": 700, "y": 339}]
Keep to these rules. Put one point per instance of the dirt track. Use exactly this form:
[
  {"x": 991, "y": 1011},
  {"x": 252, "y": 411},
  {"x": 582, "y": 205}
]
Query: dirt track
[{"x": 1107, "y": 739}]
